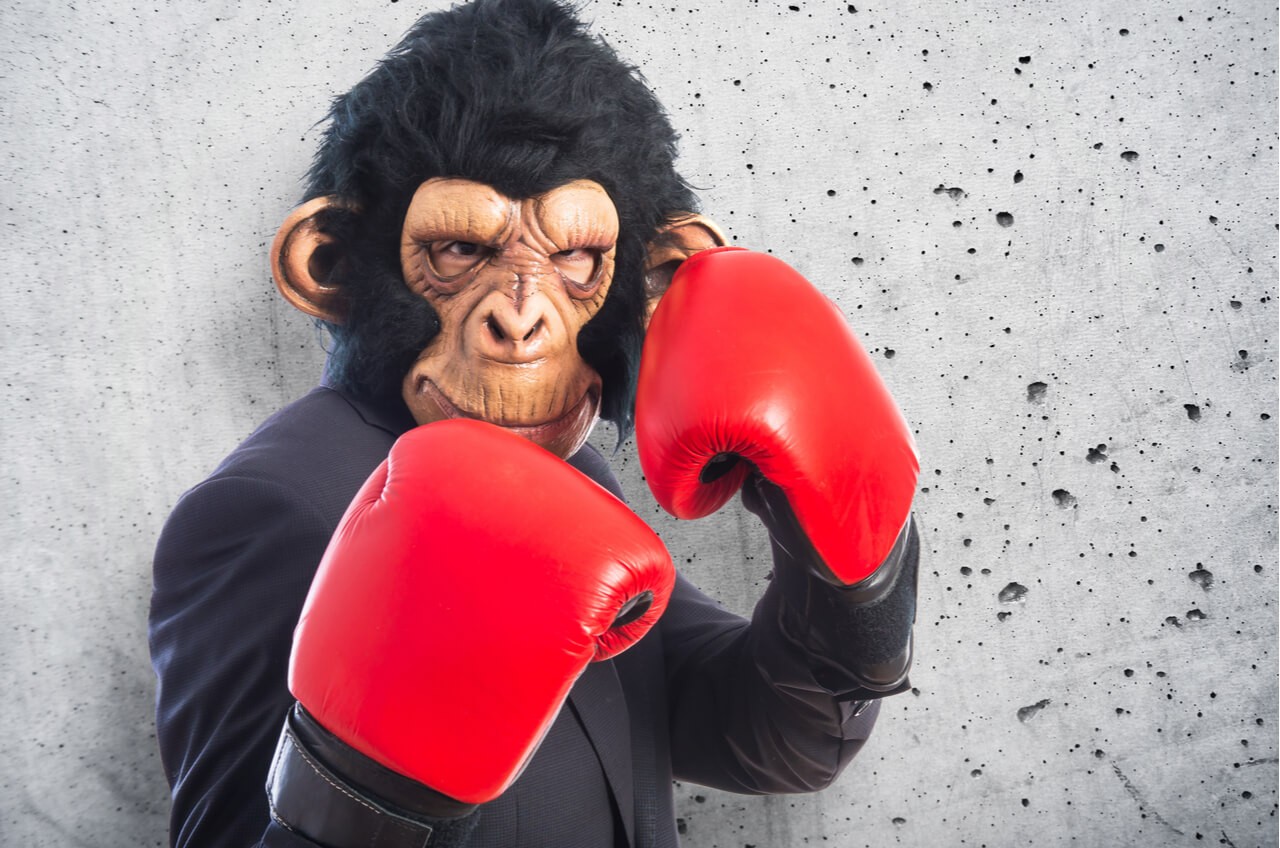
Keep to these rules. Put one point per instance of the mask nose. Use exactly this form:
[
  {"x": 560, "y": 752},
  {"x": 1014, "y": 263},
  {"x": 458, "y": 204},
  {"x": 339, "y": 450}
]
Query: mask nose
[
  {"x": 524, "y": 286},
  {"x": 515, "y": 325}
]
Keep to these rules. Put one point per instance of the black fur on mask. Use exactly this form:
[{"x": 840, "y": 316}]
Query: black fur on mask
[{"x": 515, "y": 94}]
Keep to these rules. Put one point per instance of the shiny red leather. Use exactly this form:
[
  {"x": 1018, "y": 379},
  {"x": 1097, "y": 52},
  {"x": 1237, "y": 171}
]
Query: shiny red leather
[
  {"x": 470, "y": 582},
  {"x": 744, "y": 356}
]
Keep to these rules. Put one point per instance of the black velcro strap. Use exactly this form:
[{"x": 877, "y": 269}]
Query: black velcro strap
[
  {"x": 309, "y": 799},
  {"x": 859, "y": 638}
]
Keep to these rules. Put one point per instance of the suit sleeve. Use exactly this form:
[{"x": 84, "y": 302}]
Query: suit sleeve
[
  {"x": 232, "y": 569},
  {"x": 747, "y": 712}
]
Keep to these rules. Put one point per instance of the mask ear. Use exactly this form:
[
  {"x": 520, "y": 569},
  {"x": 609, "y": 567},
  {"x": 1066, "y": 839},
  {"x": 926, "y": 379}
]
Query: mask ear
[
  {"x": 303, "y": 259},
  {"x": 684, "y": 234}
]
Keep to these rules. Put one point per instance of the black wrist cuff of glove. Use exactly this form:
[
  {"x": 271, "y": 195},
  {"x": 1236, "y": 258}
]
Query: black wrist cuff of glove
[
  {"x": 859, "y": 637},
  {"x": 861, "y": 632},
  {"x": 329, "y": 792}
]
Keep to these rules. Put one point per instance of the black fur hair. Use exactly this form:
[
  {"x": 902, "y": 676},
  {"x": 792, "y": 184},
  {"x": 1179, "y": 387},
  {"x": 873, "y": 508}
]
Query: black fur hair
[{"x": 512, "y": 93}]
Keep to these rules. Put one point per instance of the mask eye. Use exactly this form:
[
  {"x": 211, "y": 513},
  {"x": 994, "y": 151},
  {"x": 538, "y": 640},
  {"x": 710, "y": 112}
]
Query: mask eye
[
  {"x": 580, "y": 268},
  {"x": 451, "y": 259}
]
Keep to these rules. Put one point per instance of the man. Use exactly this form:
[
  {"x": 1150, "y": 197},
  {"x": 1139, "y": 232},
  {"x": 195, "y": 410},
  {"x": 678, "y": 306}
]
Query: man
[{"x": 491, "y": 226}]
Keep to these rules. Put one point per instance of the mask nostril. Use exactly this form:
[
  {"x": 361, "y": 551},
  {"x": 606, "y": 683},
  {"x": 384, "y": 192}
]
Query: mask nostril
[
  {"x": 495, "y": 329},
  {"x": 533, "y": 330}
]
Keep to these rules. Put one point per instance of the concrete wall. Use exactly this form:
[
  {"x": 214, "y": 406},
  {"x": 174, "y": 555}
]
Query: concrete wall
[{"x": 1054, "y": 225}]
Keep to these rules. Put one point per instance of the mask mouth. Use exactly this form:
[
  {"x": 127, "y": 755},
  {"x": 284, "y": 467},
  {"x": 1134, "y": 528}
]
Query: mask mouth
[{"x": 554, "y": 433}]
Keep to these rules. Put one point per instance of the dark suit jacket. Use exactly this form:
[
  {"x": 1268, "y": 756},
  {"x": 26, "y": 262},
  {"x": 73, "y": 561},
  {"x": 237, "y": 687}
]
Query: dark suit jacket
[{"x": 705, "y": 696}]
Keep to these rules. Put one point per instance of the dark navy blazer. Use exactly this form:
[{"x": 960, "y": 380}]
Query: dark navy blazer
[{"x": 705, "y": 697}]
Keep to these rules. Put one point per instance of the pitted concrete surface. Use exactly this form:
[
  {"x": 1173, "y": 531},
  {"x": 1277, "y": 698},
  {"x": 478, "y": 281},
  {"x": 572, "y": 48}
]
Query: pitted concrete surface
[{"x": 1054, "y": 226}]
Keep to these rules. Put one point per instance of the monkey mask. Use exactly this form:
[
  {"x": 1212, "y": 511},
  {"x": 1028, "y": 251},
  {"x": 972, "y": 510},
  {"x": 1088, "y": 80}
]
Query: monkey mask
[
  {"x": 503, "y": 186},
  {"x": 513, "y": 281}
]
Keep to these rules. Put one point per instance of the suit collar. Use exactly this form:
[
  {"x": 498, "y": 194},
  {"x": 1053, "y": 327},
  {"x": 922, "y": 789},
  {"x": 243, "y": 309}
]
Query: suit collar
[{"x": 390, "y": 414}]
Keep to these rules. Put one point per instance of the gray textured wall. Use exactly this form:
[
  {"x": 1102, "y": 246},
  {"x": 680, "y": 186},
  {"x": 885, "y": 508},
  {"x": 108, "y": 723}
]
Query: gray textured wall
[{"x": 1054, "y": 224}]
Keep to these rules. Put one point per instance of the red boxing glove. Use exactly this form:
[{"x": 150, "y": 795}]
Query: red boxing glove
[
  {"x": 470, "y": 582},
  {"x": 745, "y": 359}
]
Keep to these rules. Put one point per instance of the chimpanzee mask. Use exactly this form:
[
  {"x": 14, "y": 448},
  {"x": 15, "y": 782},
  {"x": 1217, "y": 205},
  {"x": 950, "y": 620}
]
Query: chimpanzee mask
[{"x": 511, "y": 265}]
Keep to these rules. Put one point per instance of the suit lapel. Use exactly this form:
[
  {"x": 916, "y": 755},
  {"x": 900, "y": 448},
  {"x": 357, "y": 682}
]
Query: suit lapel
[{"x": 598, "y": 702}]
